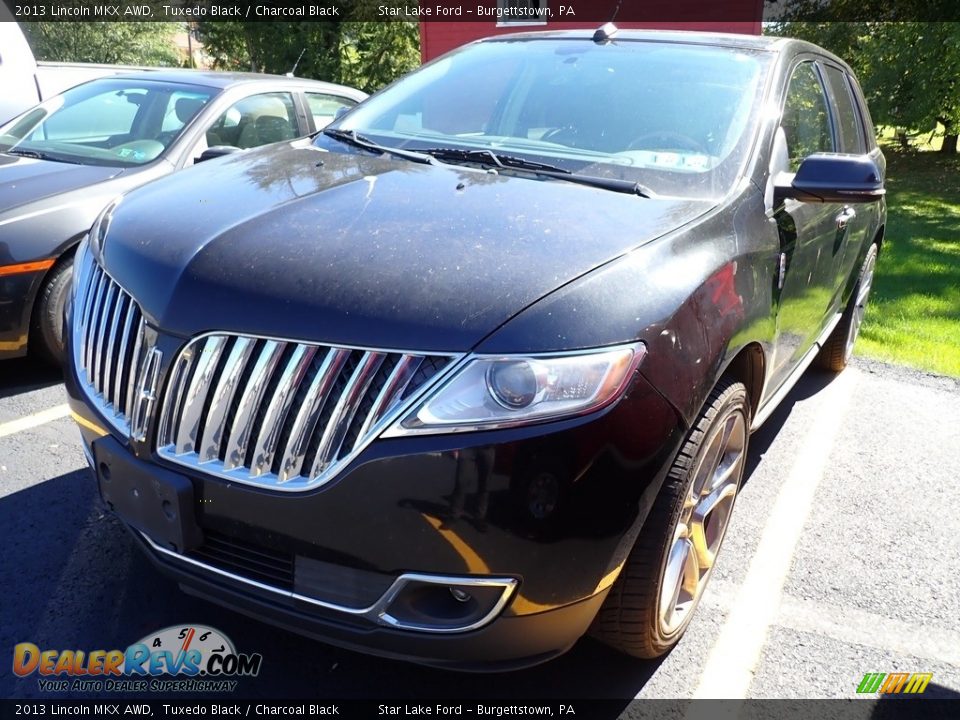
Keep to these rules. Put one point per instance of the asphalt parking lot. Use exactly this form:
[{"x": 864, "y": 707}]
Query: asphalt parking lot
[{"x": 841, "y": 560}]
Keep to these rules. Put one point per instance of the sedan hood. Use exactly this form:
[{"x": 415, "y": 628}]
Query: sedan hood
[
  {"x": 27, "y": 180},
  {"x": 353, "y": 249}
]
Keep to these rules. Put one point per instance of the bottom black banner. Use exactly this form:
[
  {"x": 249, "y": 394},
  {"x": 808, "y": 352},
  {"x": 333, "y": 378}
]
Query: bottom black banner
[{"x": 602, "y": 709}]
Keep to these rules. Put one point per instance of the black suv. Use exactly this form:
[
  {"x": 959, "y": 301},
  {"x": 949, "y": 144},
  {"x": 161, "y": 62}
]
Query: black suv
[{"x": 474, "y": 370}]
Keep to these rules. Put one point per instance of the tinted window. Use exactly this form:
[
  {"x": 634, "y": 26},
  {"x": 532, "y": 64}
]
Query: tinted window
[
  {"x": 806, "y": 120},
  {"x": 848, "y": 119}
]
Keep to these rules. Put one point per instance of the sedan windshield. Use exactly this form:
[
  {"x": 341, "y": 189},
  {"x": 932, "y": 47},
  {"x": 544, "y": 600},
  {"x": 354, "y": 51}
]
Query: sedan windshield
[
  {"x": 675, "y": 118},
  {"x": 111, "y": 121}
]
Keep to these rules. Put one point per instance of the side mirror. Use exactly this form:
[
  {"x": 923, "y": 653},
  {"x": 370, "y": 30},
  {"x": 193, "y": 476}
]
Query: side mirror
[
  {"x": 832, "y": 178},
  {"x": 211, "y": 153}
]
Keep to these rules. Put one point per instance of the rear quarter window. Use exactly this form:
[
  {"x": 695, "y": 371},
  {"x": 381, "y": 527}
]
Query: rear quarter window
[{"x": 847, "y": 115}]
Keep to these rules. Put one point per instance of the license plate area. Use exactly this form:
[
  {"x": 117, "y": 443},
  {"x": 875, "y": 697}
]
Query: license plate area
[{"x": 153, "y": 500}]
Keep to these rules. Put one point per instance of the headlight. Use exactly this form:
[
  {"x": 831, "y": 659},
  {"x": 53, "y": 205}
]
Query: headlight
[
  {"x": 100, "y": 227},
  {"x": 502, "y": 391}
]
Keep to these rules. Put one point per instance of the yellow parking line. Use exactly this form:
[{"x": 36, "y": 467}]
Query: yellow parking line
[
  {"x": 93, "y": 427},
  {"x": 729, "y": 670},
  {"x": 35, "y": 420}
]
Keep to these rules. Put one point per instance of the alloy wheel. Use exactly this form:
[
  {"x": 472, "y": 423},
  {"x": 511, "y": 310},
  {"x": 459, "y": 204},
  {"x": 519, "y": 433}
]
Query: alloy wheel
[{"x": 703, "y": 521}]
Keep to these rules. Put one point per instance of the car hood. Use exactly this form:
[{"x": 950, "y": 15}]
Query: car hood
[
  {"x": 27, "y": 180},
  {"x": 296, "y": 242}
]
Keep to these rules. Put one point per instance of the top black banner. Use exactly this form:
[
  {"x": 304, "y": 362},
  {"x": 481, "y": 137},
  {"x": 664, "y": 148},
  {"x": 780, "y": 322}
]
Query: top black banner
[{"x": 504, "y": 14}]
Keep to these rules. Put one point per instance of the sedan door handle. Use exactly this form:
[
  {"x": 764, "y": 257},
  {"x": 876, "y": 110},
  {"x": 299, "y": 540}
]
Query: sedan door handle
[{"x": 845, "y": 216}]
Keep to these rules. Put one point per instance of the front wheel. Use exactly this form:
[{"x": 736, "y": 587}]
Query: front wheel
[
  {"x": 652, "y": 601},
  {"x": 838, "y": 349}
]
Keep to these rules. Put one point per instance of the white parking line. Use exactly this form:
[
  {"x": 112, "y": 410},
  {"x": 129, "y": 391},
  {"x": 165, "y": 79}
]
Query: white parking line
[
  {"x": 853, "y": 626},
  {"x": 733, "y": 659},
  {"x": 860, "y": 627},
  {"x": 35, "y": 420}
]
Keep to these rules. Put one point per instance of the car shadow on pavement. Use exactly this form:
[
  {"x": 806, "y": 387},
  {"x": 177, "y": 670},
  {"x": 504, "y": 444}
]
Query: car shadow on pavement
[
  {"x": 73, "y": 578},
  {"x": 812, "y": 382},
  {"x": 26, "y": 374}
]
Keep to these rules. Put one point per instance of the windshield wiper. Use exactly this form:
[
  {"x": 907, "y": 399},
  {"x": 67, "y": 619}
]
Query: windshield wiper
[
  {"x": 37, "y": 155},
  {"x": 352, "y": 138},
  {"x": 629, "y": 187},
  {"x": 492, "y": 158},
  {"x": 512, "y": 162}
]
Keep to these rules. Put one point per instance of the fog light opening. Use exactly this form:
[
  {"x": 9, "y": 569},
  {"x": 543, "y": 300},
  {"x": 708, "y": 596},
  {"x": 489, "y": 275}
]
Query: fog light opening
[
  {"x": 442, "y": 604},
  {"x": 460, "y": 595}
]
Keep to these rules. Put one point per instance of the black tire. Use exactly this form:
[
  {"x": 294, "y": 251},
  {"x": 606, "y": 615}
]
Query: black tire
[
  {"x": 629, "y": 619},
  {"x": 46, "y": 333},
  {"x": 838, "y": 349}
]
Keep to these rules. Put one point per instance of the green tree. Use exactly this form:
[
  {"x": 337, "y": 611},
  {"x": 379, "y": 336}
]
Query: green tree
[
  {"x": 274, "y": 47},
  {"x": 910, "y": 71},
  {"x": 367, "y": 55},
  {"x": 127, "y": 43},
  {"x": 374, "y": 54}
]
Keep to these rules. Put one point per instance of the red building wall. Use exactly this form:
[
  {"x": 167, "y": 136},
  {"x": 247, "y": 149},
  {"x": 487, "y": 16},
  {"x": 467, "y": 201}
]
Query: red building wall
[{"x": 736, "y": 16}]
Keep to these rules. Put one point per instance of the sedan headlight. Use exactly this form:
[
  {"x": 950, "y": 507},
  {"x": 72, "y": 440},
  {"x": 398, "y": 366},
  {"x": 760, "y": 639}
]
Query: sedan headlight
[{"x": 491, "y": 392}]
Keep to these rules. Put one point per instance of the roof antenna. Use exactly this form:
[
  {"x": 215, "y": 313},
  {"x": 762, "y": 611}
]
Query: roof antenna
[
  {"x": 606, "y": 31},
  {"x": 294, "y": 68}
]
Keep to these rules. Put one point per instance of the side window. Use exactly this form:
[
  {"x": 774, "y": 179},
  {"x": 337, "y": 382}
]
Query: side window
[
  {"x": 324, "y": 107},
  {"x": 254, "y": 121},
  {"x": 848, "y": 119},
  {"x": 867, "y": 122},
  {"x": 806, "y": 120}
]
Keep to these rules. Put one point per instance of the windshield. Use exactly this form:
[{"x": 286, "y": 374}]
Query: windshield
[
  {"x": 117, "y": 122},
  {"x": 677, "y": 118}
]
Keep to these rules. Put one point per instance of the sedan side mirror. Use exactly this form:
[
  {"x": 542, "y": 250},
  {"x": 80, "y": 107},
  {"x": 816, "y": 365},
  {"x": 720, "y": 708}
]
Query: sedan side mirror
[
  {"x": 832, "y": 178},
  {"x": 211, "y": 153}
]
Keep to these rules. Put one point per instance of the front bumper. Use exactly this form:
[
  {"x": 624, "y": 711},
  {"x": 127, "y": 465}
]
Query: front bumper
[
  {"x": 507, "y": 643},
  {"x": 553, "y": 508}
]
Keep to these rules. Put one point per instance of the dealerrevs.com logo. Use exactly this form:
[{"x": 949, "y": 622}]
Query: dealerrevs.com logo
[{"x": 180, "y": 658}]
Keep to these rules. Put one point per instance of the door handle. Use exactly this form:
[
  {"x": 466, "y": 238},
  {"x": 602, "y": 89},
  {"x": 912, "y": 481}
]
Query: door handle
[{"x": 845, "y": 216}]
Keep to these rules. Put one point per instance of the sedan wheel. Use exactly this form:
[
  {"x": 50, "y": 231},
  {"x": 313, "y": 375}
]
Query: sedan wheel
[
  {"x": 46, "y": 334},
  {"x": 663, "y": 579}
]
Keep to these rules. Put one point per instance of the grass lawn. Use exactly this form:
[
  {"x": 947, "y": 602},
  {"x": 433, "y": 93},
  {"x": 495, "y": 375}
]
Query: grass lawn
[{"x": 914, "y": 312}]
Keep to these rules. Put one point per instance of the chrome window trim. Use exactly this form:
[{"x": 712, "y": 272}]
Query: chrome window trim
[{"x": 377, "y": 612}]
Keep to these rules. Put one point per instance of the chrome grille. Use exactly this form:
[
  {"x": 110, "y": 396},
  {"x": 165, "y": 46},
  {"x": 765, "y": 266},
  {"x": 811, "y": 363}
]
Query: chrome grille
[
  {"x": 281, "y": 414},
  {"x": 108, "y": 336}
]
